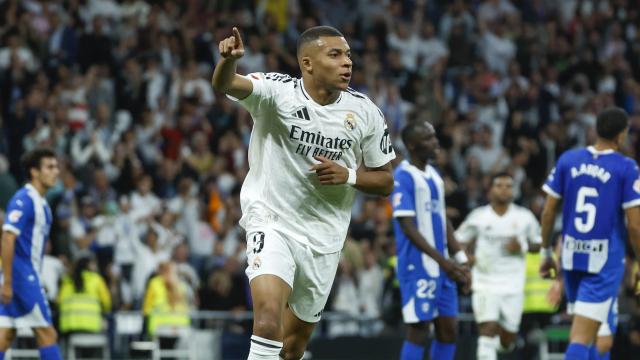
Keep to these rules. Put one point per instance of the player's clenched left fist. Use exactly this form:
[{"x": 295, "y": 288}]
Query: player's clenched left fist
[
  {"x": 232, "y": 47},
  {"x": 329, "y": 173}
]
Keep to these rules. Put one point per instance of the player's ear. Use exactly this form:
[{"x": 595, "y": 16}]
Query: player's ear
[{"x": 305, "y": 64}]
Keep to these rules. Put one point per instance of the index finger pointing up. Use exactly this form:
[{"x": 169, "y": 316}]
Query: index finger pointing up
[{"x": 236, "y": 35}]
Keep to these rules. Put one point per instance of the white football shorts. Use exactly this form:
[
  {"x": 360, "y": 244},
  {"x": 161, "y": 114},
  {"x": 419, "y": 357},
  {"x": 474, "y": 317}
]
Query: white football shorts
[
  {"x": 505, "y": 309},
  {"x": 309, "y": 274}
]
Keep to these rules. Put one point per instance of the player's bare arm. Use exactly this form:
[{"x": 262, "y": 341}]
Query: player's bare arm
[
  {"x": 375, "y": 181},
  {"x": 225, "y": 79},
  {"x": 458, "y": 254},
  {"x": 8, "y": 245},
  {"x": 633, "y": 230},
  {"x": 455, "y": 271},
  {"x": 548, "y": 266}
]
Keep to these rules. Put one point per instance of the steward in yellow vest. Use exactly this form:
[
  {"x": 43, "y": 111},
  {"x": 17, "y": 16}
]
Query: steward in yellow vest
[
  {"x": 536, "y": 288},
  {"x": 82, "y": 299},
  {"x": 165, "y": 302}
]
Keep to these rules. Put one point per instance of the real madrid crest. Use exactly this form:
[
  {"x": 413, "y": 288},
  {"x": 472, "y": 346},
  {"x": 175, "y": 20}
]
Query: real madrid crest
[
  {"x": 257, "y": 263},
  {"x": 350, "y": 121}
]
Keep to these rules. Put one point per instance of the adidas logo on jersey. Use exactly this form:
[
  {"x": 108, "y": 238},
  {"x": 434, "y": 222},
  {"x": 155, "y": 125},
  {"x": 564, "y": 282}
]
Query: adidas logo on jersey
[{"x": 302, "y": 113}]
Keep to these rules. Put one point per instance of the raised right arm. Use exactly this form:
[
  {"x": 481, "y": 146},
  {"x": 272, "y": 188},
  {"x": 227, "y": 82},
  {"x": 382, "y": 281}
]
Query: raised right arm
[{"x": 225, "y": 79}]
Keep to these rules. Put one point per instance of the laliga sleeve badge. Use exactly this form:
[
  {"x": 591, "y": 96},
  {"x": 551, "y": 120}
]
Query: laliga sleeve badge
[
  {"x": 14, "y": 216},
  {"x": 350, "y": 121},
  {"x": 636, "y": 186}
]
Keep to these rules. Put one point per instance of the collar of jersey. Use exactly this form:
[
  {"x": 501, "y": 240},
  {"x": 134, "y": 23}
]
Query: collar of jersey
[
  {"x": 424, "y": 171},
  {"x": 33, "y": 188},
  {"x": 306, "y": 95},
  {"x": 593, "y": 150}
]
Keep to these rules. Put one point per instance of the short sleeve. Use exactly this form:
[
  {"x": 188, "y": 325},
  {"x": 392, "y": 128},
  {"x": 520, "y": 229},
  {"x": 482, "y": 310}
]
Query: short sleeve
[
  {"x": 533, "y": 229},
  {"x": 468, "y": 230},
  {"x": 18, "y": 215},
  {"x": 555, "y": 181},
  {"x": 376, "y": 146},
  {"x": 265, "y": 88},
  {"x": 402, "y": 197},
  {"x": 631, "y": 187}
]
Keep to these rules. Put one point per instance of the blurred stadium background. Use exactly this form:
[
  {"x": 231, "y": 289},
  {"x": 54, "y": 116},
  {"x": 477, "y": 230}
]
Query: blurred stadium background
[{"x": 153, "y": 159}]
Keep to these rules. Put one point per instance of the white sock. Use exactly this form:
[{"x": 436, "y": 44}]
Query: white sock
[
  {"x": 264, "y": 349},
  {"x": 488, "y": 347}
]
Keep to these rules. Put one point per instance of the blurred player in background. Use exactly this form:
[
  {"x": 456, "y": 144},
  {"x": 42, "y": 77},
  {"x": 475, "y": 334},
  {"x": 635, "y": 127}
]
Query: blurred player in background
[
  {"x": 314, "y": 142},
  {"x": 23, "y": 303},
  {"x": 600, "y": 190},
  {"x": 424, "y": 237},
  {"x": 501, "y": 234}
]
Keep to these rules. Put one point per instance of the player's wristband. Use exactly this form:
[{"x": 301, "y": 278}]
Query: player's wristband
[
  {"x": 547, "y": 252},
  {"x": 351, "y": 180},
  {"x": 461, "y": 257}
]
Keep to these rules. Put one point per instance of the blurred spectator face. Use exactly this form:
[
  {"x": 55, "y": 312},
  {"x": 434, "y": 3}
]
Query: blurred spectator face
[
  {"x": 103, "y": 114},
  {"x": 14, "y": 41},
  {"x": 125, "y": 206},
  {"x": 181, "y": 253},
  {"x": 200, "y": 142},
  {"x": 151, "y": 239},
  {"x": 486, "y": 136},
  {"x": 501, "y": 190},
  {"x": 428, "y": 30},
  {"x": 100, "y": 179},
  {"x": 184, "y": 186},
  {"x": 144, "y": 185},
  {"x": 167, "y": 219},
  {"x": 220, "y": 282},
  {"x": 403, "y": 30},
  {"x": 88, "y": 207}
]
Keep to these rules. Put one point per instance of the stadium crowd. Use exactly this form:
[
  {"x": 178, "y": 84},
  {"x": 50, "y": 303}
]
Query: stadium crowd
[{"x": 153, "y": 159}]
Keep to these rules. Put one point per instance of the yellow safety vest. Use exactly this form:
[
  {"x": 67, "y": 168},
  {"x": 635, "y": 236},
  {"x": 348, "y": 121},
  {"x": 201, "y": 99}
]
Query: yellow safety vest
[
  {"x": 158, "y": 310},
  {"x": 82, "y": 311},
  {"x": 536, "y": 288}
]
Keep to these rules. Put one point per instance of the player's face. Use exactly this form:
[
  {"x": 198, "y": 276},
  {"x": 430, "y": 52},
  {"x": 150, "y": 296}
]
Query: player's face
[
  {"x": 48, "y": 172},
  {"x": 502, "y": 190},
  {"x": 426, "y": 146},
  {"x": 331, "y": 62}
]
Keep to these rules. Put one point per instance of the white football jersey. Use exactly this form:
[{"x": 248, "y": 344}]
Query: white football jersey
[
  {"x": 290, "y": 129},
  {"x": 496, "y": 270}
]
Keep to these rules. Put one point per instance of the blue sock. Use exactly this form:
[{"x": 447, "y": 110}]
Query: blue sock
[
  {"x": 1, "y": 355},
  {"x": 577, "y": 351},
  {"x": 411, "y": 351},
  {"x": 442, "y": 351},
  {"x": 603, "y": 356},
  {"x": 593, "y": 353},
  {"x": 51, "y": 352}
]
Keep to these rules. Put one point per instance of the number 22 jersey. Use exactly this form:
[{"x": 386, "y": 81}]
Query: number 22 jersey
[{"x": 596, "y": 188}]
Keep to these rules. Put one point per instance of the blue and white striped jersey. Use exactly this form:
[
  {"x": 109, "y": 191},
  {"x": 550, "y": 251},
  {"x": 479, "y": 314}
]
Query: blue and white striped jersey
[
  {"x": 29, "y": 217},
  {"x": 420, "y": 194},
  {"x": 596, "y": 187}
]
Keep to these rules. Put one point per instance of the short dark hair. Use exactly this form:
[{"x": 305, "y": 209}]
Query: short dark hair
[
  {"x": 33, "y": 159},
  {"x": 498, "y": 175},
  {"x": 409, "y": 132},
  {"x": 314, "y": 33},
  {"x": 611, "y": 122}
]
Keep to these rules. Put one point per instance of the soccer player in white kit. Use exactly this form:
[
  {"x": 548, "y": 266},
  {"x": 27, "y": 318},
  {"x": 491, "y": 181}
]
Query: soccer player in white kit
[
  {"x": 314, "y": 142},
  {"x": 501, "y": 233}
]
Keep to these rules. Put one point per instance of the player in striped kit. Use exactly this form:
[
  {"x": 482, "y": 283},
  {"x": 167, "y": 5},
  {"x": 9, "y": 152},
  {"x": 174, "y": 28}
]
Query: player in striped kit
[
  {"x": 600, "y": 193},
  {"x": 25, "y": 232},
  {"x": 424, "y": 238}
]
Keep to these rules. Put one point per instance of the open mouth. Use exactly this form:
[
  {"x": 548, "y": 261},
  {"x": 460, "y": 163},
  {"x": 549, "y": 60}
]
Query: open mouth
[{"x": 345, "y": 76}]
